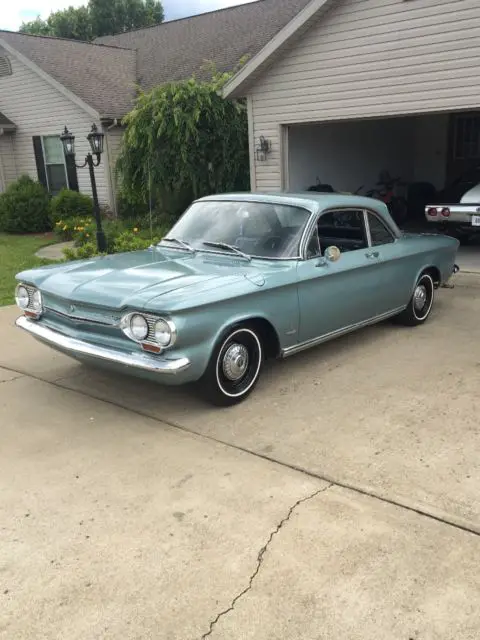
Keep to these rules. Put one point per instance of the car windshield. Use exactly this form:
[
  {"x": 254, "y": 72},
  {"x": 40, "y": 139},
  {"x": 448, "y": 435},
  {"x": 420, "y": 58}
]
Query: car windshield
[{"x": 249, "y": 229}]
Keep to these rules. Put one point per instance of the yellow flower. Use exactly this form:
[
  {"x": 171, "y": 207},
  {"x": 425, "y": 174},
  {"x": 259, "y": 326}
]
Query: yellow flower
[
  {"x": 80, "y": 228},
  {"x": 58, "y": 223},
  {"x": 88, "y": 235},
  {"x": 75, "y": 228},
  {"x": 135, "y": 230},
  {"x": 65, "y": 228}
]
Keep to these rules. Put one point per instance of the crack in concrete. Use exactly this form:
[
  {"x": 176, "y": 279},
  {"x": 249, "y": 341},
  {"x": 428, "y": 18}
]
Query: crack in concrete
[
  {"x": 260, "y": 556},
  {"x": 11, "y": 379}
]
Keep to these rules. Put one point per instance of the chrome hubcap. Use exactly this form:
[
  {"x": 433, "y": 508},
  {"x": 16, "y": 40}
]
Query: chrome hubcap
[
  {"x": 420, "y": 297},
  {"x": 235, "y": 361}
]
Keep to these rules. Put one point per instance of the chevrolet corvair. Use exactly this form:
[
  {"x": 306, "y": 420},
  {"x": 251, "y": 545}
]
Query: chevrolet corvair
[{"x": 239, "y": 278}]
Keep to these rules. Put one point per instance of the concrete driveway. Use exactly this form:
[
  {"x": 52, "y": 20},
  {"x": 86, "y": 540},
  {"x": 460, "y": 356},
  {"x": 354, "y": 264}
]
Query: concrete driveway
[{"x": 341, "y": 501}]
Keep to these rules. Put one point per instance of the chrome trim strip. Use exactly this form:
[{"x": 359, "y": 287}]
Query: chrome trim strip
[
  {"x": 154, "y": 364},
  {"x": 290, "y": 351},
  {"x": 81, "y": 319},
  {"x": 366, "y": 224}
]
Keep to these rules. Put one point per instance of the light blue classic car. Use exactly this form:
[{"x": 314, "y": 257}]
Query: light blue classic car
[{"x": 238, "y": 278}]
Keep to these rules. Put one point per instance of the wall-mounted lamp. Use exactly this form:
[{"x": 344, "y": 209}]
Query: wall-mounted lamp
[{"x": 263, "y": 149}]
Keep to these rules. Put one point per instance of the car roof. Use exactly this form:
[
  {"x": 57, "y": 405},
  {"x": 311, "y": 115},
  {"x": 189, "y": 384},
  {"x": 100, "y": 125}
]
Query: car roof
[{"x": 311, "y": 200}]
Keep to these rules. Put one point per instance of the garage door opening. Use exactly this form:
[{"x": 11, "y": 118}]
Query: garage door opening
[{"x": 430, "y": 154}]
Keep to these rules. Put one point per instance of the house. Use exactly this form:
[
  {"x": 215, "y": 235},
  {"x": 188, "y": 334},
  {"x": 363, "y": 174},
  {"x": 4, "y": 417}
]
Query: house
[
  {"x": 48, "y": 83},
  {"x": 351, "y": 87}
]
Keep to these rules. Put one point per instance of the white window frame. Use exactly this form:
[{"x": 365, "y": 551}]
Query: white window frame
[{"x": 42, "y": 138}]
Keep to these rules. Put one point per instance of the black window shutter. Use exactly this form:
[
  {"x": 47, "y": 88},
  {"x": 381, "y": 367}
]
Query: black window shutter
[
  {"x": 71, "y": 173},
  {"x": 40, "y": 161}
]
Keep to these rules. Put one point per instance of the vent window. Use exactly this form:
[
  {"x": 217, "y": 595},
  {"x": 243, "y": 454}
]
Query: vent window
[{"x": 5, "y": 67}]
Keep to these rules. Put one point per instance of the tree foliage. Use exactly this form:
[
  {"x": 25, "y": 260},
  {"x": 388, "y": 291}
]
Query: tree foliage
[
  {"x": 184, "y": 141},
  {"x": 97, "y": 18}
]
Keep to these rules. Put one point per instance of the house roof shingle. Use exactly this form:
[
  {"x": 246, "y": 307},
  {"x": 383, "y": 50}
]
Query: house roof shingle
[
  {"x": 102, "y": 76},
  {"x": 178, "y": 49},
  {"x": 5, "y": 122}
]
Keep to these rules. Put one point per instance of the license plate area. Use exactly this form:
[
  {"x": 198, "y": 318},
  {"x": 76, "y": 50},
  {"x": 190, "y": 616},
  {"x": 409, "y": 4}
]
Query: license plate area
[{"x": 475, "y": 221}]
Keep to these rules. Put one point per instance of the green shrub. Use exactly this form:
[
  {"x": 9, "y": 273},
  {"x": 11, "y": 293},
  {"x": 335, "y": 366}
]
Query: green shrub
[
  {"x": 25, "y": 207},
  {"x": 70, "y": 204},
  {"x": 88, "y": 250},
  {"x": 132, "y": 241}
]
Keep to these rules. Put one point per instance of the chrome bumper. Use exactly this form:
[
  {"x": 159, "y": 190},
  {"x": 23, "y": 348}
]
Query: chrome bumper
[{"x": 153, "y": 364}]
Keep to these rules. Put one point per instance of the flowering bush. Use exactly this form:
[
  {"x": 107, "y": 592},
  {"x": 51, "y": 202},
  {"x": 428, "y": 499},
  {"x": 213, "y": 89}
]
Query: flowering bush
[{"x": 80, "y": 230}]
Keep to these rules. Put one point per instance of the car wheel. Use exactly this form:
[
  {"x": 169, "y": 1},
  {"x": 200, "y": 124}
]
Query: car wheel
[
  {"x": 421, "y": 302},
  {"x": 234, "y": 367}
]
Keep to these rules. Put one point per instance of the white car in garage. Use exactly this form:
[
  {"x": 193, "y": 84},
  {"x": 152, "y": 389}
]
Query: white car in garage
[{"x": 461, "y": 220}]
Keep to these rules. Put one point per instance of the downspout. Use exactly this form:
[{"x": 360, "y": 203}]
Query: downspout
[
  {"x": 3, "y": 182},
  {"x": 111, "y": 172}
]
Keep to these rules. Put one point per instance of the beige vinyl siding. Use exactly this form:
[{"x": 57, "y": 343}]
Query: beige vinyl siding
[
  {"x": 8, "y": 169},
  {"x": 370, "y": 58},
  {"x": 38, "y": 109}
]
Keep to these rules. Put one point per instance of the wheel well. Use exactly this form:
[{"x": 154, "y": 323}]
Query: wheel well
[
  {"x": 268, "y": 336},
  {"x": 435, "y": 274}
]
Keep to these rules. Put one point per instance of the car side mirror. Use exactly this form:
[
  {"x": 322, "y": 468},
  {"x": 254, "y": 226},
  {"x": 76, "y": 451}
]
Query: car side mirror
[{"x": 332, "y": 254}]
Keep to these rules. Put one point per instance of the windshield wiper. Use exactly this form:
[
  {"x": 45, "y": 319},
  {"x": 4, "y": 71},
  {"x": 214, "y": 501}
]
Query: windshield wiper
[
  {"x": 181, "y": 243},
  {"x": 229, "y": 247}
]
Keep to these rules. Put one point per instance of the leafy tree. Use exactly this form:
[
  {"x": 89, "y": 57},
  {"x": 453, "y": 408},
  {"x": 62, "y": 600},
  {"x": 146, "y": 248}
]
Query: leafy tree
[
  {"x": 37, "y": 27},
  {"x": 71, "y": 23},
  {"x": 97, "y": 18},
  {"x": 183, "y": 141}
]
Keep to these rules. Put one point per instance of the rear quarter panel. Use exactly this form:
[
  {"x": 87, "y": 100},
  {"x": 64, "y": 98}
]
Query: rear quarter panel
[{"x": 430, "y": 250}]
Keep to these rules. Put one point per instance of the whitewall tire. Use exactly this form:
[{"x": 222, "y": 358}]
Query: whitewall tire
[{"x": 235, "y": 366}]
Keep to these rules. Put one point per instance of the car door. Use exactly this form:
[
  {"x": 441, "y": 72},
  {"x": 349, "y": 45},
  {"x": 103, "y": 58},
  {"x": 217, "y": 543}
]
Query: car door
[
  {"x": 337, "y": 295},
  {"x": 394, "y": 276}
]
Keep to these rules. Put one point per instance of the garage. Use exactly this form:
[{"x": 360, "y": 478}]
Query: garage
[
  {"x": 431, "y": 158},
  {"x": 351, "y": 88}
]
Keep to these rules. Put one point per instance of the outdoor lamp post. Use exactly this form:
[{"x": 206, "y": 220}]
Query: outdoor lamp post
[{"x": 95, "y": 138}]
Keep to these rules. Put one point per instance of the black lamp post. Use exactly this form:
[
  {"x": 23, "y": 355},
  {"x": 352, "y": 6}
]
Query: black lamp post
[{"x": 95, "y": 138}]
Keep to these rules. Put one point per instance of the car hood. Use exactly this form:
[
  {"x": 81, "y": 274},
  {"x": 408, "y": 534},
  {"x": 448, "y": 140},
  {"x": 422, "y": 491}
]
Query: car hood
[
  {"x": 136, "y": 279},
  {"x": 472, "y": 196}
]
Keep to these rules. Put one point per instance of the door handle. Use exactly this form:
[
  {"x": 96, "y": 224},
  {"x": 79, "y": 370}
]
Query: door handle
[{"x": 371, "y": 255}]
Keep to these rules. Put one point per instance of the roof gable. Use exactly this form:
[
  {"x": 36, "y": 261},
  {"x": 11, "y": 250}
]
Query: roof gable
[
  {"x": 101, "y": 76},
  {"x": 178, "y": 49},
  {"x": 301, "y": 22}
]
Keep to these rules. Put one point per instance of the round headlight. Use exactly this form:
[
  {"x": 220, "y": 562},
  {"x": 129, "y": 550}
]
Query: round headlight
[
  {"x": 163, "y": 333},
  {"x": 36, "y": 301},
  {"x": 138, "y": 327},
  {"x": 21, "y": 297}
]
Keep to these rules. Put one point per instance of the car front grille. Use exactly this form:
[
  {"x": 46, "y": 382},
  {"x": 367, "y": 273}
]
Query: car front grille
[{"x": 79, "y": 312}]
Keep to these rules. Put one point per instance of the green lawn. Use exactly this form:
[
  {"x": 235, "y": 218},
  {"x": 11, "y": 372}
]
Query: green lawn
[{"x": 16, "y": 254}]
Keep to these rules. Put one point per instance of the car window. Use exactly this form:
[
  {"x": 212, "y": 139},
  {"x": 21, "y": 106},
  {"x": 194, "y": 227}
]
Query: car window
[
  {"x": 260, "y": 229},
  {"x": 378, "y": 231},
  {"x": 344, "y": 229}
]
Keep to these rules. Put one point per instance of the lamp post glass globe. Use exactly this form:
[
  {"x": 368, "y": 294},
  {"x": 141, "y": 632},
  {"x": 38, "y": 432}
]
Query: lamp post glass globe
[
  {"x": 68, "y": 141},
  {"x": 95, "y": 138}
]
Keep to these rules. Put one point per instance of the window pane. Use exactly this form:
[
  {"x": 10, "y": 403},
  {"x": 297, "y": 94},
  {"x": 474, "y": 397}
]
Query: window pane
[
  {"x": 253, "y": 227},
  {"x": 342, "y": 229},
  {"x": 57, "y": 178},
  {"x": 53, "y": 150},
  {"x": 378, "y": 231}
]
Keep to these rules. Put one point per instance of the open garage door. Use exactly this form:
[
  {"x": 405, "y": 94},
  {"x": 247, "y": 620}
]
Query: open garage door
[{"x": 351, "y": 155}]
